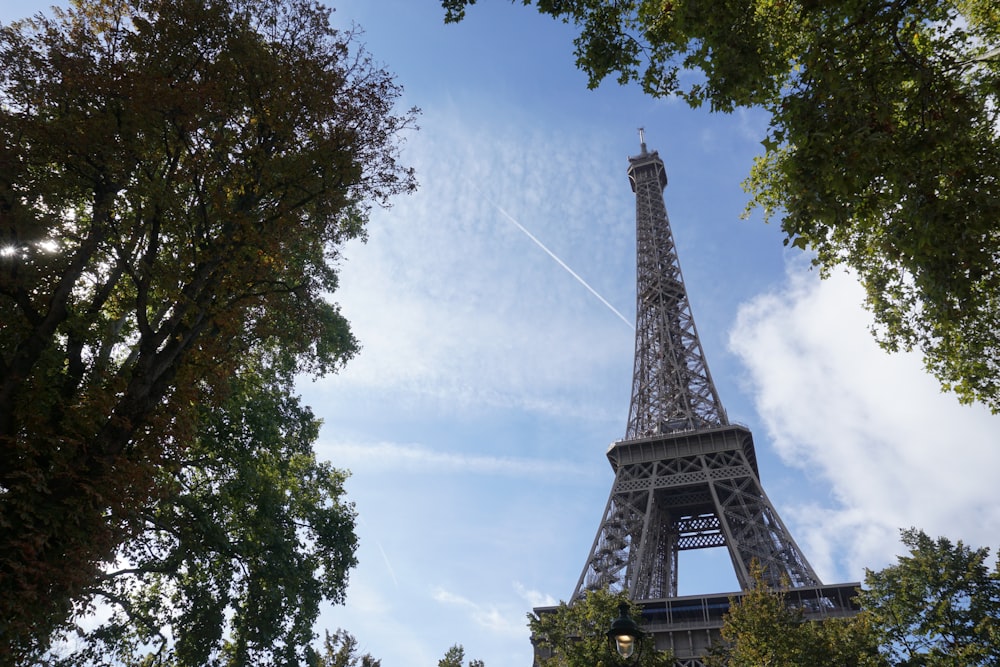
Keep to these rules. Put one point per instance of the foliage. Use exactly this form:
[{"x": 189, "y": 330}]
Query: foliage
[
  {"x": 250, "y": 535},
  {"x": 175, "y": 180},
  {"x": 455, "y": 656},
  {"x": 762, "y": 629},
  {"x": 573, "y": 635},
  {"x": 938, "y": 606},
  {"x": 341, "y": 650},
  {"x": 883, "y": 151}
]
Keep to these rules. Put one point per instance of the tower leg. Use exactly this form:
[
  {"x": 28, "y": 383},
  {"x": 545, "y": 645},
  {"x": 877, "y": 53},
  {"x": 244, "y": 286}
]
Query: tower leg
[{"x": 686, "y": 491}]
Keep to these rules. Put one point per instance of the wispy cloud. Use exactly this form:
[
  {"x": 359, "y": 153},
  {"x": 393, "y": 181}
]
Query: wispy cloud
[
  {"x": 516, "y": 330},
  {"x": 488, "y": 616},
  {"x": 535, "y": 598},
  {"x": 393, "y": 455}
]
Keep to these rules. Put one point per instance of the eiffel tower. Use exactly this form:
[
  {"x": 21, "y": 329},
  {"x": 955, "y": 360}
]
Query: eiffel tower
[{"x": 685, "y": 477}]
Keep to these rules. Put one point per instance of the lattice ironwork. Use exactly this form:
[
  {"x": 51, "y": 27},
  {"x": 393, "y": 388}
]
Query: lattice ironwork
[
  {"x": 672, "y": 389},
  {"x": 684, "y": 477},
  {"x": 713, "y": 498}
]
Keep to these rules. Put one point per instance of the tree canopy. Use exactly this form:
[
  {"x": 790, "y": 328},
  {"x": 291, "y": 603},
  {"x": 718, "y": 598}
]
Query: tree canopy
[
  {"x": 761, "y": 629},
  {"x": 455, "y": 657},
  {"x": 883, "y": 150},
  {"x": 939, "y": 606},
  {"x": 574, "y": 634},
  {"x": 341, "y": 650},
  {"x": 249, "y": 535},
  {"x": 176, "y": 178}
]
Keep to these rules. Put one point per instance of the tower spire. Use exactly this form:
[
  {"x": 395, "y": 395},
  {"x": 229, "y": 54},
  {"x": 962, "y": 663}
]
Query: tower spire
[{"x": 672, "y": 389}]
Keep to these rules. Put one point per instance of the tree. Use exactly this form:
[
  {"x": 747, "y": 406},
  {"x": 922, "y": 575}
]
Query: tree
[
  {"x": 939, "y": 606},
  {"x": 341, "y": 650},
  {"x": 761, "y": 629},
  {"x": 175, "y": 180},
  {"x": 455, "y": 657},
  {"x": 883, "y": 151},
  {"x": 250, "y": 535},
  {"x": 574, "y": 635}
]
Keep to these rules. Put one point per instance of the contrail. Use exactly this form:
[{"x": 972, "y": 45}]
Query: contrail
[
  {"x": 388, "y": 565},
  {"x": 559, "y": 261},
  {"x": 385, "y": 557}
]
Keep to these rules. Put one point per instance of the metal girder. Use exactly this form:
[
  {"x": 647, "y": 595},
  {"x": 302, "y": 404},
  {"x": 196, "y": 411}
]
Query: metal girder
[
  {"x": 672, "y": 389},
  {"x": 710, "y": 499},
  {"x": 684, "y": 478}
]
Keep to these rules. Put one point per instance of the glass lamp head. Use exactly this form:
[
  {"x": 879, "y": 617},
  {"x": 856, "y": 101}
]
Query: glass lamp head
[
  {"x": 625, "y": 645},
  {"x": 624, "y": 634}
]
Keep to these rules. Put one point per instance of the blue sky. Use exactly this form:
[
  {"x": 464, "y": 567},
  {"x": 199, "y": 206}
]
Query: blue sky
[{"x": 491, "y": 381}]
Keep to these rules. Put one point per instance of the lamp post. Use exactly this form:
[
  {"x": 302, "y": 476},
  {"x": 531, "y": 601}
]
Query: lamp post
[{"x": 625, "y": 637}]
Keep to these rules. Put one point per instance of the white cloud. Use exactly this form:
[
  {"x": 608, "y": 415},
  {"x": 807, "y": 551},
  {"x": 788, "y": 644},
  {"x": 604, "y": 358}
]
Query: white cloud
[
  {"x": 895, "y": 451},
  {"x": 507, "y": 622},
  {"x": 409, "y": 457},
  {"x": 535, "y": 598}
]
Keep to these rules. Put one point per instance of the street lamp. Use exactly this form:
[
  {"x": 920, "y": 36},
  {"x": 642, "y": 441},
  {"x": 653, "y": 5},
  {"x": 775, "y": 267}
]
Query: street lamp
[{"x": 625, "y": 636}]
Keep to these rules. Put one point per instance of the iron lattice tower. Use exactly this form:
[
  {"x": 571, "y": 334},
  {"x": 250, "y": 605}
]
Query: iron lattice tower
[{"x": 685, "y": 478}]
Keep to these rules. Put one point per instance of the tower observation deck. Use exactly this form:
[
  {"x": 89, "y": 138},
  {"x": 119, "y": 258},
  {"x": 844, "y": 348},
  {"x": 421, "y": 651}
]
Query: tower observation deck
[{"x": 685, "y": 478}]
